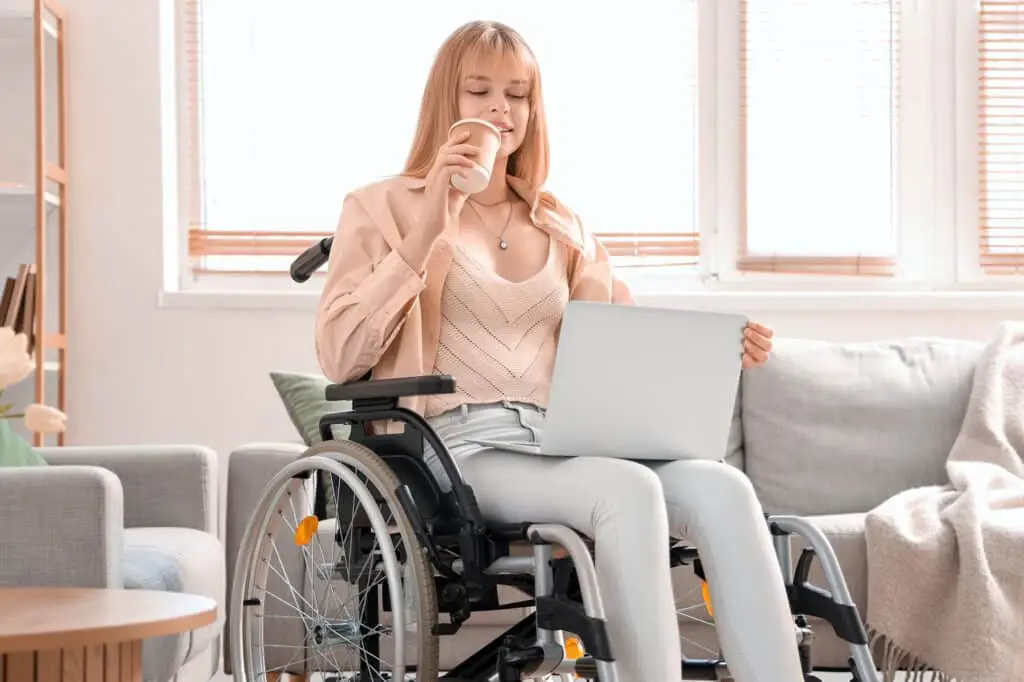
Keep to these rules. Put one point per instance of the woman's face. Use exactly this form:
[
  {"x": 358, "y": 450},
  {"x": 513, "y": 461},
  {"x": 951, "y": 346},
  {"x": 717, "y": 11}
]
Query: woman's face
[{"x": 497, "y": 90}]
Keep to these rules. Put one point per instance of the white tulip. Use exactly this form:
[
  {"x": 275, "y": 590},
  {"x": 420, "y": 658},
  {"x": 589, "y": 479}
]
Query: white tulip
[
  {"x": 15, "y": 362},
  {"x": 45, "y": 419}
]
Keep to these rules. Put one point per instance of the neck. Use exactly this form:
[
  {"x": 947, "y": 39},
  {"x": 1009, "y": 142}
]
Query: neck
[{"x": 497, "y": 190}]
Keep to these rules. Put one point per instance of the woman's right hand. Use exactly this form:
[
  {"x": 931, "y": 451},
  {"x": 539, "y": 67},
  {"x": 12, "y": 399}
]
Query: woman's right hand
[{"x": 443, "y": 200}]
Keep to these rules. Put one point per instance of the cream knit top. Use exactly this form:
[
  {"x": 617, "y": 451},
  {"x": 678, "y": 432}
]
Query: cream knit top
[{"x": 498, "y": 337}]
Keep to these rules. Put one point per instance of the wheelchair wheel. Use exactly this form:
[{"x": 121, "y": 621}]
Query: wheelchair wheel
[
  {"x": 351, "y": 597},
  {"x": 696, "y": 612},
  {"x": 696, "y": 615}
]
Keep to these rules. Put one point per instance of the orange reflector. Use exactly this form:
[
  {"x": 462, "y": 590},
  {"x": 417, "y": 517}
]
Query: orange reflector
[
  {"x": 573, "y": 648},
  {"x": 706, "y": 593},
  {"x": 306, "y": 530}
]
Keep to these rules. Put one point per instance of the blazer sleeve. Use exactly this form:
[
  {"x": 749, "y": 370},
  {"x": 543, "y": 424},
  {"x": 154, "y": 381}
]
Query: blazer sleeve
[
  {"x": 593, "y": 276},
  {"x": 369, "y": 292}
]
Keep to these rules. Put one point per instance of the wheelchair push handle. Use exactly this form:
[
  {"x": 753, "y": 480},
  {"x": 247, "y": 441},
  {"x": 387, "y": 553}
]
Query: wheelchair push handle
[{"x": 310, "y": 260}]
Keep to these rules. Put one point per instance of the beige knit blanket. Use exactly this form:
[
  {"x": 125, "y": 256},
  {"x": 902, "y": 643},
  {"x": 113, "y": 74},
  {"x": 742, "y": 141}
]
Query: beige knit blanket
[{"x": 946, "y": 564}]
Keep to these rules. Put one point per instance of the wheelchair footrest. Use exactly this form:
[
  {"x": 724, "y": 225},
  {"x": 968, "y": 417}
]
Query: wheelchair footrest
[
  {"x": 704, "y": 669},
  {"x": 513, "y": 661},
  {"x": 809, "y": 600},
  {"x": 556, "y": 613}
]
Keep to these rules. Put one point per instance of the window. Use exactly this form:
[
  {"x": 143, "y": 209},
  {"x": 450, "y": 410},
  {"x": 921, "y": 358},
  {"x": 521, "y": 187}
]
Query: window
[
  {"x": 819, "y": 138},
  {"x": 1001, "y": 136},
  {"x": 730, "y": 143},
  {"x": 292, "y": 109}
]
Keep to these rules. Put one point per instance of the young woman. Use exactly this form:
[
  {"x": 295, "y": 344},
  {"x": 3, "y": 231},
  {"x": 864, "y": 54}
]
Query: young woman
[{"x": 423, "y": 279}]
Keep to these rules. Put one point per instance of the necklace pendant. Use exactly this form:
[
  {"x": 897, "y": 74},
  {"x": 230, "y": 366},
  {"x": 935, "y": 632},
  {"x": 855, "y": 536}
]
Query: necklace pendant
[{"x": 503, "y": 245}]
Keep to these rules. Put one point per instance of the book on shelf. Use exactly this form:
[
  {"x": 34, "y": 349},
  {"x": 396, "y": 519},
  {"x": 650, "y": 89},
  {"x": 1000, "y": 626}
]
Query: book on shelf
[{"x": 18, "y": 303}]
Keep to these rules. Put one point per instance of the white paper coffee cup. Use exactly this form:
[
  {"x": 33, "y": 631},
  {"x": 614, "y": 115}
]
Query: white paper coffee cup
[{"x": 487, "y": 138}]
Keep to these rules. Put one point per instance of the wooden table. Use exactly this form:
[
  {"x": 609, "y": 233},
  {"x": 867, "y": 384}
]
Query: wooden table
[{"x": 89, "y": 635}]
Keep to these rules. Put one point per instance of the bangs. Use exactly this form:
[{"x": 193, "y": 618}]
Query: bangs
[{"x": 502, "y": 48}]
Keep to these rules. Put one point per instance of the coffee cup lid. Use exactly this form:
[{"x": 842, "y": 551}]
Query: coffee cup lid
[{"x": 487, "y": 124}]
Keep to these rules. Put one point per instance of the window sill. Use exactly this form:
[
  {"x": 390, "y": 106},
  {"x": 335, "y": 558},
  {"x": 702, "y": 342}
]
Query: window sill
[
  {"x": 798, "y": 301},
  {"x": 238, "y": 300},
  {"x": 829, "y": 301}
]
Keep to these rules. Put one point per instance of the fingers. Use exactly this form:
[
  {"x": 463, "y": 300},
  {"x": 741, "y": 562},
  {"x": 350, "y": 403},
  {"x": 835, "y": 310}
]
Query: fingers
[
  {"x": 457, "y": 160},
  {"x": 455, "y": 154},
  {"x": 459, "y": 155},
  {"x": 759, "y": 335},
  {"x": 754, "y": 352},
  {"x": 451, "y": 163},
  {"x": 463, "y": 149},
  {"x": 456, "y": 144},
  {"x": 760, "y": 329}
]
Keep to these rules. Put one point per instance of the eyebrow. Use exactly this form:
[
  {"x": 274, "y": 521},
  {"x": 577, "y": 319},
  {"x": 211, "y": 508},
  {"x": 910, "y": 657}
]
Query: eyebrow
[{"x": 474, "y": 77}]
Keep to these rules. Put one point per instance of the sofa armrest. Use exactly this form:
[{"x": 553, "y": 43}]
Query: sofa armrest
[
  {"x": 61, "y": 527},
  {"x": 164, "y": 485},
  {"x": 250, "y": 470}
]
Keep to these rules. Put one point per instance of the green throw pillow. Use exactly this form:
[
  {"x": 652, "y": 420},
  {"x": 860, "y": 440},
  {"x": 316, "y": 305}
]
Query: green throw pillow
[
  {"x": 303, "y": 397},
  {"x": 304, "y": 400},
  {"x": 14, "y": 451}
]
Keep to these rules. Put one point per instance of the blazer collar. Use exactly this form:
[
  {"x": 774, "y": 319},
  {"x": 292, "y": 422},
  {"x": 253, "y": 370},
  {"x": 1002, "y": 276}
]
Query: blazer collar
[{"x": 546, "y": 211}]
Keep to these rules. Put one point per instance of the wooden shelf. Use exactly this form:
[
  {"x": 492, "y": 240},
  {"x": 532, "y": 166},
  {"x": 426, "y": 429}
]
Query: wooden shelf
[
  {"x": 15, "y": 15},
  {"x": 13, "y": 192},
  {"x": 34, "y": 30}
]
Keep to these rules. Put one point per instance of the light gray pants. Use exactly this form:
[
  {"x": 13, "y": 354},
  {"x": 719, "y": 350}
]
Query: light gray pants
[{"x": 629, "y": 509}]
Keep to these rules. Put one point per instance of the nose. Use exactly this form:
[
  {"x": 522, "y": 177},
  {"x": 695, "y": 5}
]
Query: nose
[{"x": 502, "y": 108}]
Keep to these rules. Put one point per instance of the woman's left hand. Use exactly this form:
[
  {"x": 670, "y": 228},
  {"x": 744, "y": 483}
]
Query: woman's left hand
[{"x": 757, "y": 344}]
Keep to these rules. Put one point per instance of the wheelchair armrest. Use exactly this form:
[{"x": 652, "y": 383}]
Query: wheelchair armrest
[
  {"x": 391, "y": 388},
  {"x": 378, "y": 400}
]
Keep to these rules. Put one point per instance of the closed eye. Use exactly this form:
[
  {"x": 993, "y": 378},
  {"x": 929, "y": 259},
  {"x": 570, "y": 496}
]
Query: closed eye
[{"x": 481, "y": 93}]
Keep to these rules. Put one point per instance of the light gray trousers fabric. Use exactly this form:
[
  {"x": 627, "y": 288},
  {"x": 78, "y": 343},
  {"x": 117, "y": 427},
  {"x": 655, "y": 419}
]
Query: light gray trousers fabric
[{"x": 629, "y": 509}]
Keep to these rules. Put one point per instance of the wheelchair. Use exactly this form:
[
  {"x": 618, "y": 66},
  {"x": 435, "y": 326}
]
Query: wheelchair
[{"x": 397, "y": 550}]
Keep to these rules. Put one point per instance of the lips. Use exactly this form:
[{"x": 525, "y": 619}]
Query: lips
[{"x": 504, "y": 129}]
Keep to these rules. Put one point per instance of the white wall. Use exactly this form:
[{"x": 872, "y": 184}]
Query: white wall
[
  {"x": 16, "y": 105},
  {"x": 141, "y": 373}
]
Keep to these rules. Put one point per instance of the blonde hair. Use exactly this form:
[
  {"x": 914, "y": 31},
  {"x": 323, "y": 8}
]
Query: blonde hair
[{"x": 439, "y": 108}]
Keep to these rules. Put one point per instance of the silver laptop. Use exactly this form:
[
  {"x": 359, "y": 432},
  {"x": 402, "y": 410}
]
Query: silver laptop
[{"x": 638, "y": 382}]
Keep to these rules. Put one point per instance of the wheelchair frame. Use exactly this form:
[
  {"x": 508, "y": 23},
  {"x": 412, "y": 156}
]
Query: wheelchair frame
[{"x": 565, "y": 592}]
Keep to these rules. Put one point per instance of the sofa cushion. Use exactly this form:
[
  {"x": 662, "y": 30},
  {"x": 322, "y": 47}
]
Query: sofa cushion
[
  {"x": 834, "y": 428},
  {"x": 175, "y": 560},
  {"x": 734, "y": 446}
]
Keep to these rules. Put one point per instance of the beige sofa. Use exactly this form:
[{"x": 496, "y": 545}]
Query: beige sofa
[{"x": 823, "y": 430}]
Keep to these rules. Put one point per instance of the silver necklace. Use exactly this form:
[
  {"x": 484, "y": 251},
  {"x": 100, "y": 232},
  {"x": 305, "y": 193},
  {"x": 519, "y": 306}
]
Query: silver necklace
[{"x": 502, "y": 244}]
